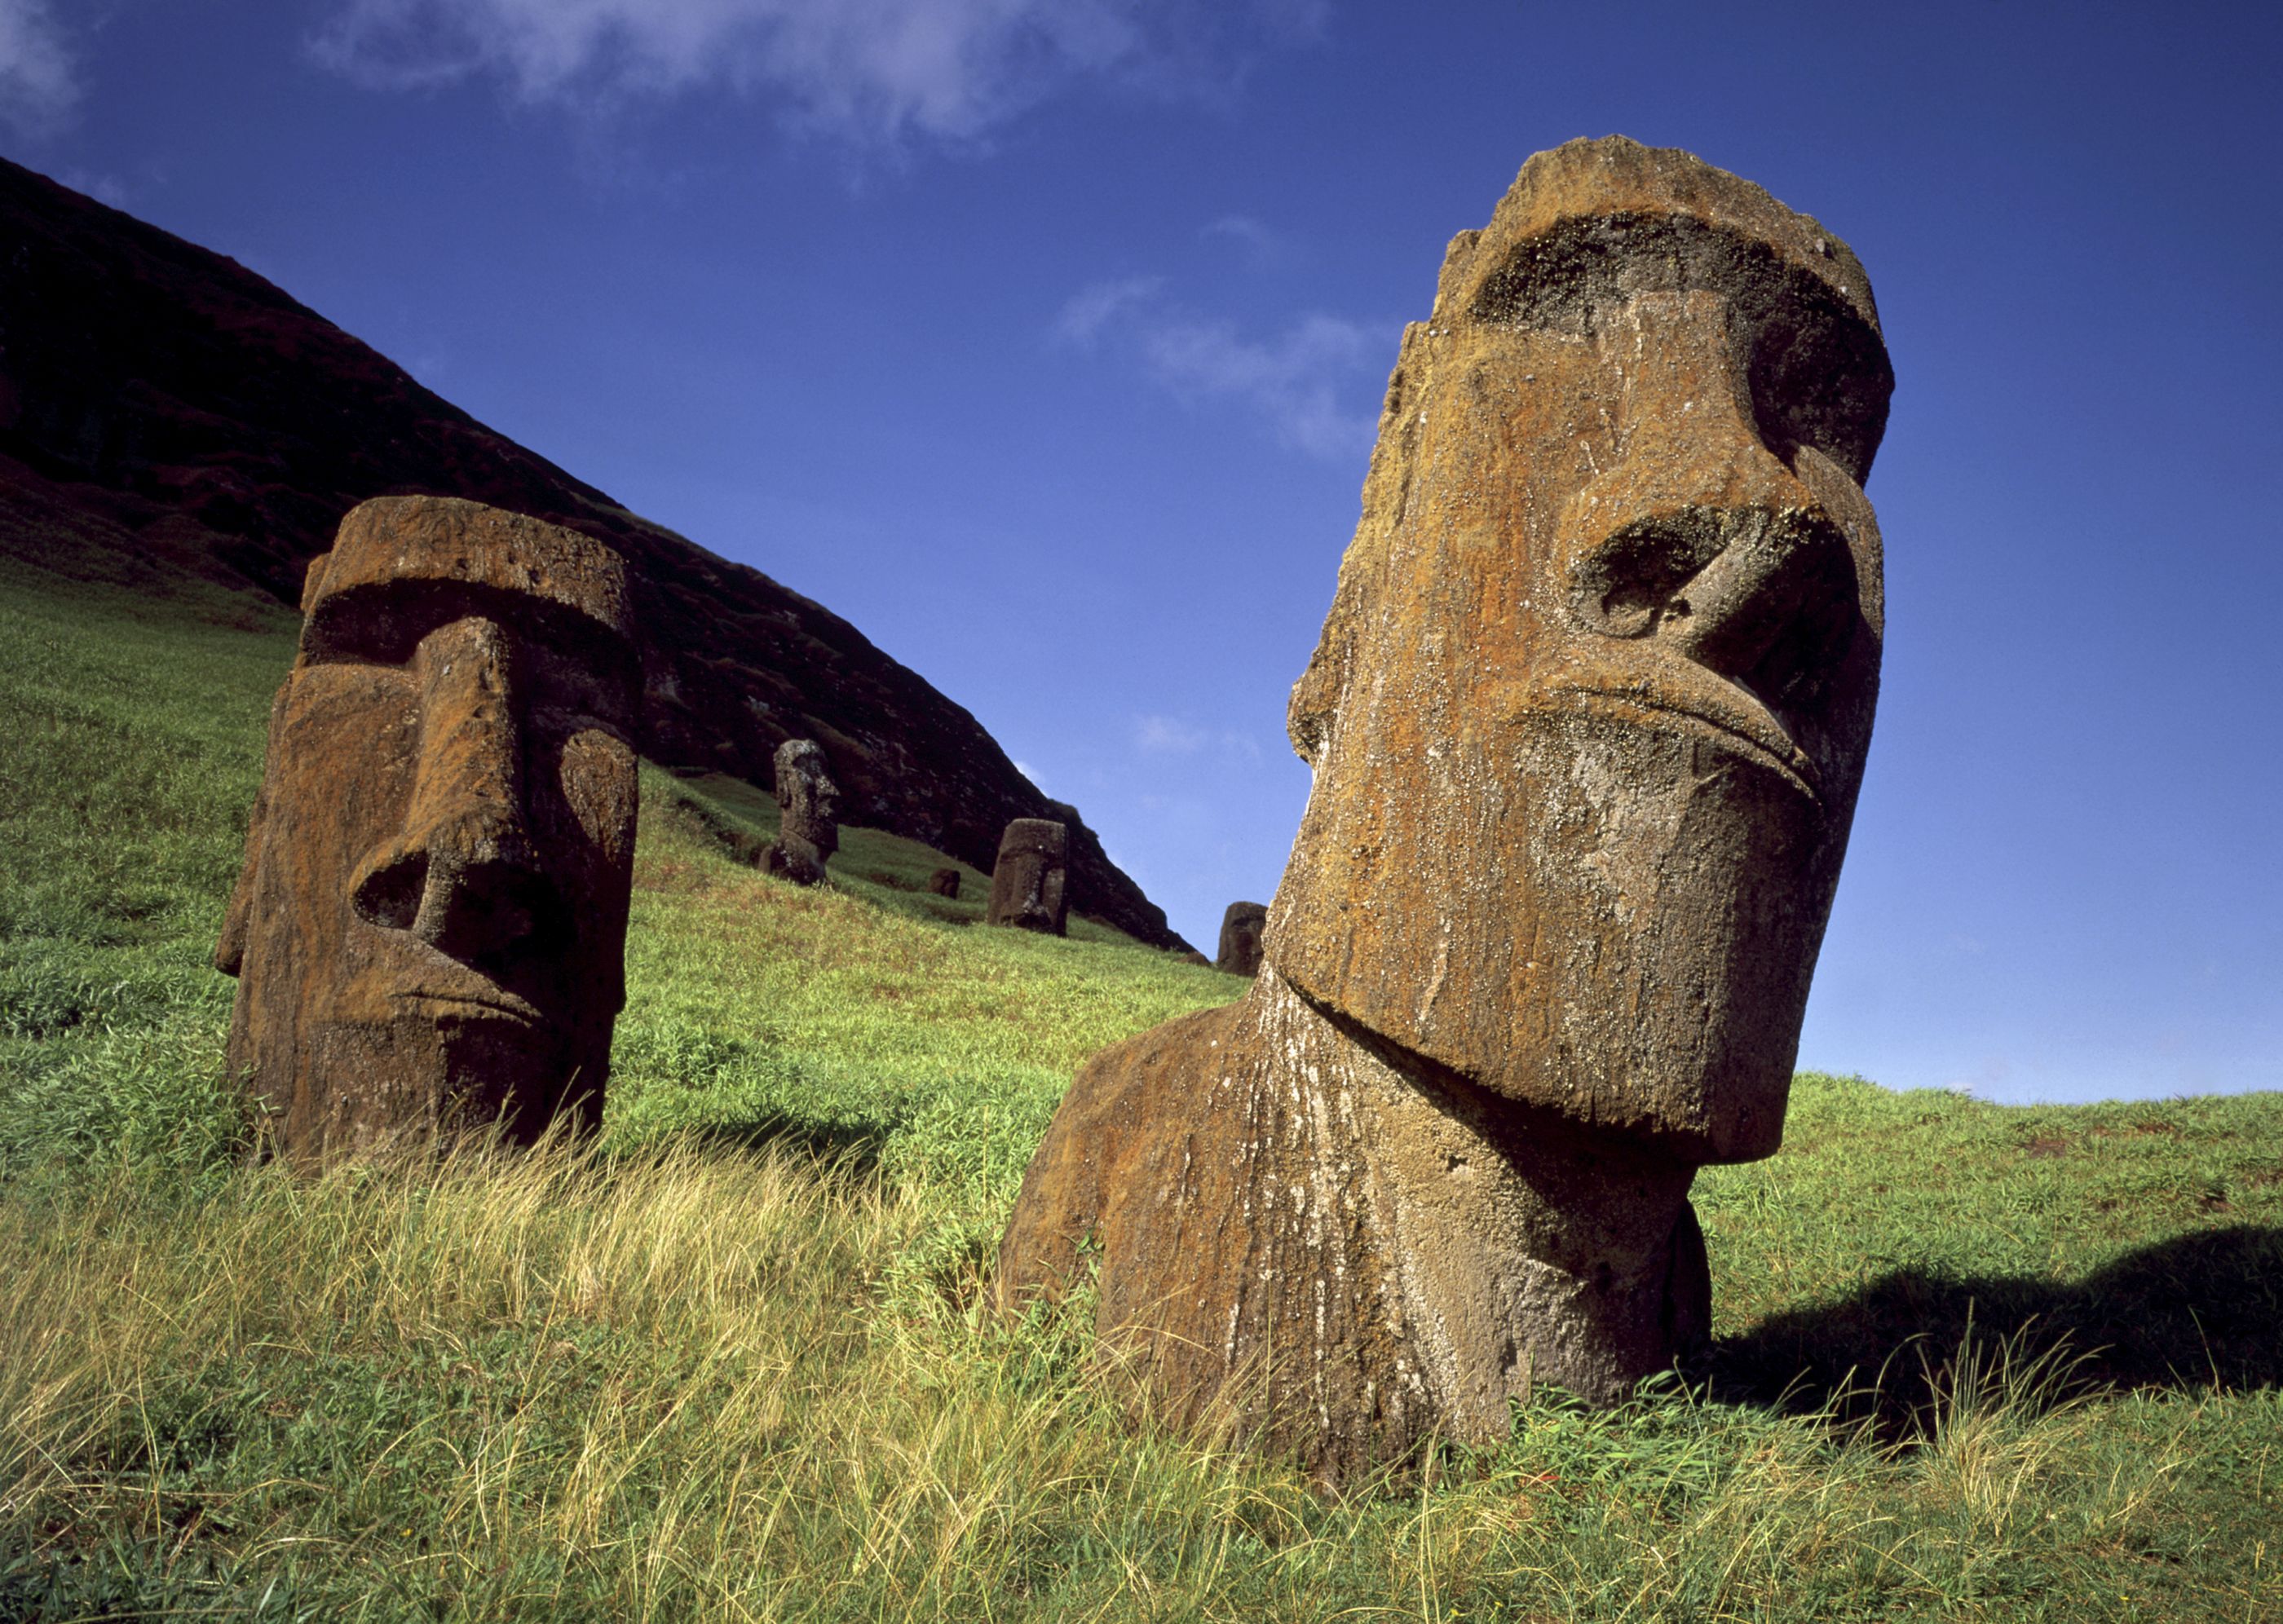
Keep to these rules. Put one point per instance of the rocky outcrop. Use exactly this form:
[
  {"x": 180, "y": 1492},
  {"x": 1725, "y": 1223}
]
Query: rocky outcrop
[
  {"x": 164, "y": 410},
  {"x": 1587, "y": 720},
  {"x": 429, "y": 932}
]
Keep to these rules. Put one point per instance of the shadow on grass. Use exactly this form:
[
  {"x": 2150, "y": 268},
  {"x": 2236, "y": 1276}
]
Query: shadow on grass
[
  {"x": 849, "y": 1147},
  {"x": 2192, "y": 1313}
]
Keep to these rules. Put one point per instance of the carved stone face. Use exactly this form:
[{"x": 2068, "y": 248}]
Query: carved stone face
[
  {"x": 1242, "y": 926},
  {"x": 431, "y": 926},
  {"x": 807, "y": 799},
  {"x": 1028, "y": 884},
  {"x": 1589, "y": 714}
]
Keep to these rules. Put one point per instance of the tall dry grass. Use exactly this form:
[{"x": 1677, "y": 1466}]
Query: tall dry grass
[{"x": 706, "y": 1385}]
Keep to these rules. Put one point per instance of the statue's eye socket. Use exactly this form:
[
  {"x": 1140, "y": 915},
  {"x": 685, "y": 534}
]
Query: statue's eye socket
[
  {"x": 347, "y": 631},
  {"x": 564, "y": 660},
  {"x": 1822, "y": 382}
]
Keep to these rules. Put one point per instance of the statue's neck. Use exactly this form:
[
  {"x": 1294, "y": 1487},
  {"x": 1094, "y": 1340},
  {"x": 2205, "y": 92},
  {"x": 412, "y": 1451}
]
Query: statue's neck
[{"x": 1511, "y": 1245}]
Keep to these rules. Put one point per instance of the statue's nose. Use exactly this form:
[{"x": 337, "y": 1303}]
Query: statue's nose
[
  {"x": 1700, "y": 537},
  {"x": 464, "y": 875}
]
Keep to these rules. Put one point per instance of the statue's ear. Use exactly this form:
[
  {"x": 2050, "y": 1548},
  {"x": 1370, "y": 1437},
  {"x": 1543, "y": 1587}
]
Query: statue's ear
[
  {"x": 313, "y": 579},
  {"x": 1316, "y": 697},
  {"x": 1386, "y": 495},
  {"x": 229, "y": 949}
]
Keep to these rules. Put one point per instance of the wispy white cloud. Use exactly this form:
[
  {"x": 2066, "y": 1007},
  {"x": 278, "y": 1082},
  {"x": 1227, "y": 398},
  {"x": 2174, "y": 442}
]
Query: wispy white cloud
[
  {"x": 1091, "y": 309},
  {"x": 103, "y": 188},
  {"x": 1313, "y": 385},
  {"x": 1170, "y": 735},
  {"x": 39, "y": 83},
  {"x": 871, "y": 71},
  {"x": 1296, "y": 380},
  {"x": 1167, "y": 735},
  {"x": 1259, "y": 245}
]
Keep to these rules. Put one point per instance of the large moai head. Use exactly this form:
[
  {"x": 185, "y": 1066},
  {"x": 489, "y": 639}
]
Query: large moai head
[
  {"x": 1028, "y": 882},
  {"x": 1589, "y": 713},
  {"x": 429, "y": 932},
  {"x": 1241, "y": 928}
]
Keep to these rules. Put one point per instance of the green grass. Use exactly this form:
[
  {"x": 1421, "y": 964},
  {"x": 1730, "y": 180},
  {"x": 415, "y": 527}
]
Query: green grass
[{"x": 732, "y": 1362}]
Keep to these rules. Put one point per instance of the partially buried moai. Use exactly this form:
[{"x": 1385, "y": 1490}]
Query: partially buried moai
[
  {"x": 429, "y": 931},
  {"x": 808, "y": 810},
  {"x": 1586, "y": 721},
  {"x": 1241, "y": 930},
  {"x": 1028, "y": 882}
]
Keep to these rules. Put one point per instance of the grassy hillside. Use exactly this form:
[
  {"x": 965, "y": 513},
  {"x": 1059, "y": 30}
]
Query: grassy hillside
[{"x": 1972, "y": 1362}]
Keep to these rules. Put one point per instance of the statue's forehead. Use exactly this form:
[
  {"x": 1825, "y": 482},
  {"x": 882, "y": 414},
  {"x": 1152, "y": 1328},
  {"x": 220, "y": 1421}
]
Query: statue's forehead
[
  {"x": 444, "y": 548},
  {"x": 1619, "y": 216}
]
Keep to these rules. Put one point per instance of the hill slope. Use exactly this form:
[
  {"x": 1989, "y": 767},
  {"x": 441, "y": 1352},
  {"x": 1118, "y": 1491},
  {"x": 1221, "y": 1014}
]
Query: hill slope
[{"x": 165, "y": 415}]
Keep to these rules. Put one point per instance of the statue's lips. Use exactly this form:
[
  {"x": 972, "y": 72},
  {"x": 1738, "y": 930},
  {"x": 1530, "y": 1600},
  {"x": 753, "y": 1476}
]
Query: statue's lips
[
  {"x": 470, "y": 998},
  {"x": 1664, "y": 691}
]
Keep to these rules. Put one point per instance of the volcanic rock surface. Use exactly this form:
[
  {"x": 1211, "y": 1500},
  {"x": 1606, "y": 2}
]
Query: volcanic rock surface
[
  {"x": 1586, "y": 721},
  {"x": 429, "y": 930},
  {"x": 165, "y": 410},
  {"x": 1030, "y": 883}
]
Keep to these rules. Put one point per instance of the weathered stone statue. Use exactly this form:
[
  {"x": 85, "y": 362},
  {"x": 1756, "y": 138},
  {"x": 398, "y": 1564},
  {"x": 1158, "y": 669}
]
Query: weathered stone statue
[
  {"x": 808, "y": 809},
  {"x": 1241, "y": 930},
  {"x": 944, "y": 882},
  {"x": 1586, "y": 721},
  {"x": 430, "y": 928},
  {"x": 1027, "y": 883}
]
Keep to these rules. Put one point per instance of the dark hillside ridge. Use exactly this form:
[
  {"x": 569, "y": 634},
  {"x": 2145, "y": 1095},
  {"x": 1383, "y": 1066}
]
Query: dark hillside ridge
[{"x": 161, "y": 401}]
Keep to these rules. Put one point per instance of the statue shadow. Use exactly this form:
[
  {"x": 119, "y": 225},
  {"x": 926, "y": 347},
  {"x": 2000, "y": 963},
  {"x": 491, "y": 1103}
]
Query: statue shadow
[
  {"x": 848, "y": 1147},
  {"x": 2196, "y": 1312}
]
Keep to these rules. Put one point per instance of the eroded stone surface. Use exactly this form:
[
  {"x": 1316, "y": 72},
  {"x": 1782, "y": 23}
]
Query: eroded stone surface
[
  {"x": 1587, "y": 720},
  {"x": 1027, "y": 883},
  {"x": 808, "y": 806},
  {"x": 1241, "y": 928},
  {"x": 429, "y": 930}
]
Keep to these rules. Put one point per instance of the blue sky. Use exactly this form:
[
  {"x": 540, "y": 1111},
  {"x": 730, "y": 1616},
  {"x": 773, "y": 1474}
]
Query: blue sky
[{"x": 1042, "y": 339}]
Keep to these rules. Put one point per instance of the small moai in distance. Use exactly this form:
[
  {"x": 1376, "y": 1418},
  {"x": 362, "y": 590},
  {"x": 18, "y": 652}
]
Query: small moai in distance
[
  {"x": 808, "y": 807},
  {"x": 1586, "y": 723},
  {"x": 1029, "y": 880},
  {"x": 944, "y": 882},
  {"x": 1241, "y": 930},
  {"x": 429, "y": 930}
]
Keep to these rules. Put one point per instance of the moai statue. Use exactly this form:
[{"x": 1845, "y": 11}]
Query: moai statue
[
  {"x": 808, "y": 808},
  {"x": 944, "y": 882},
  {"x": 1027, "y": 884},
  {"x": 1241, "y": 929},
  {"x": 429, "y": 931},
  {"x": 1586, "y": 722}
]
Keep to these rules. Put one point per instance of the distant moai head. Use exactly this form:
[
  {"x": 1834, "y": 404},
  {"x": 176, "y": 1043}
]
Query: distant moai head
[
  {"x": 429, "y": 930},
  {"x": 807, "y": 799},
  {"x": 1589, "y": 715},
  {"x": 1241, "y": 930},
  {"x": 944, "y": 882},
  {"x": 1027, "y": 883}
]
